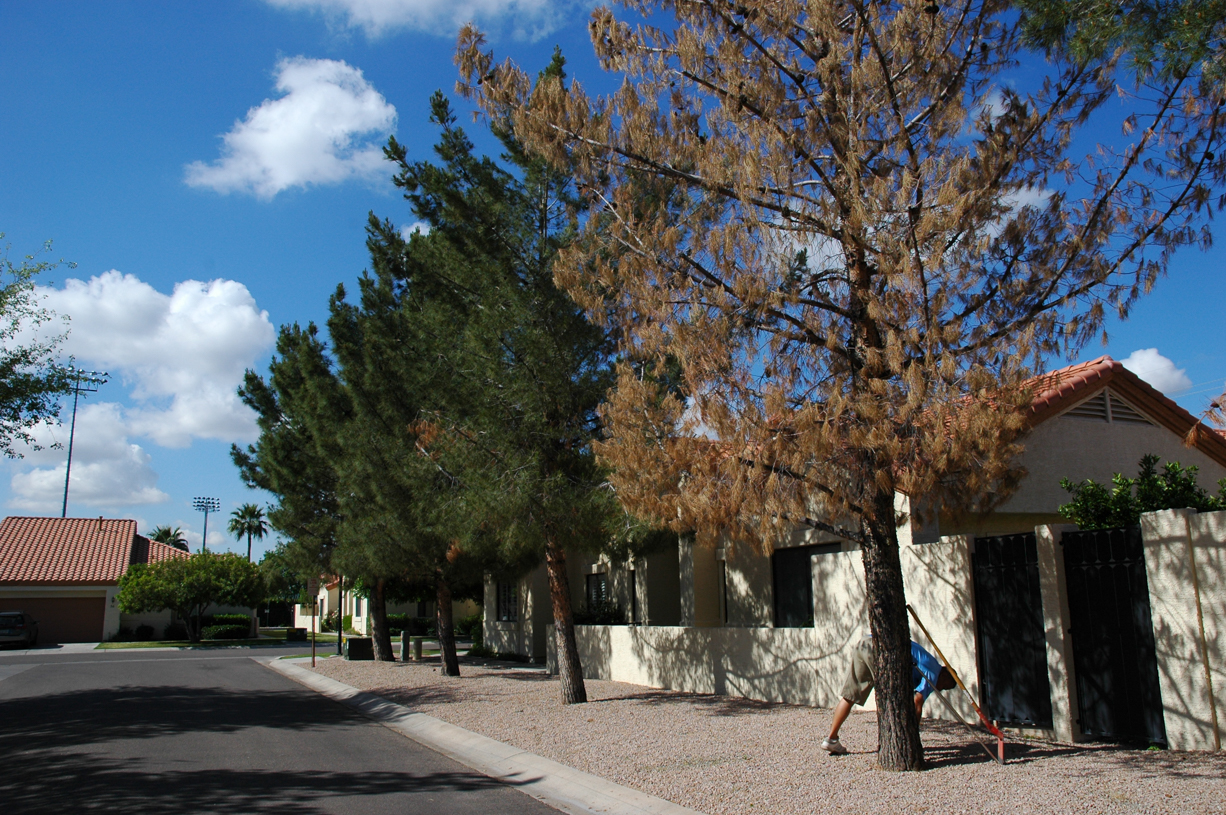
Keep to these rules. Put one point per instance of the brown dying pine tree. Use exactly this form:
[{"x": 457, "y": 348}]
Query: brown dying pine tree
[{"x": 856, "y": 227}]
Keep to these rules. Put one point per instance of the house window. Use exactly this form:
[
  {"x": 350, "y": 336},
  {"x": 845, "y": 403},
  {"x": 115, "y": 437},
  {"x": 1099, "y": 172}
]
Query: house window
[
  {"x": 357, "y": 606},
  {"x": 508, "y": 602},
  {"x": 597, "y": 590},
  {"x": 793, "y": 583}
]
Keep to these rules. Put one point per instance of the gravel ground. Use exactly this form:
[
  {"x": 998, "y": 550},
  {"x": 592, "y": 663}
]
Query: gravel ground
[{"x": 720, "y": 755}]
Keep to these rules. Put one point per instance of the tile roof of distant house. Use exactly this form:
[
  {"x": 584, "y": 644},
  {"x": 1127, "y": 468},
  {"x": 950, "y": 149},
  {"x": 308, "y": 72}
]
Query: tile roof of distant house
[
  {"x": 1062, "y": 389},
  {"x": 72, "y": 551}
]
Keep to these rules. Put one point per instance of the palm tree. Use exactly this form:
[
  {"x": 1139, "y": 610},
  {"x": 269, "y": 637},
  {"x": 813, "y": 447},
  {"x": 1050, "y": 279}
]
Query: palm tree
[
  {"x": 248, "y": 520},
  {"x": 171, "y": 536}
]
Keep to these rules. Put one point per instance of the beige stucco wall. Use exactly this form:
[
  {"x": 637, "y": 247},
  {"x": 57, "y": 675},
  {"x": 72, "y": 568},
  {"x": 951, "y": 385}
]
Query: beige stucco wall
[
  {"x": 749, "y": 592},
  {"x": 1186, "y": 688},
  {"x": 1209, "y": 551},
  {"x": 660, "y": 587},
  {"x": 1061, "y": 673},
  {"x": 526, "y": 635},
  {"x": 940, "y": 587},
  {"x": 699, "y": 581},
  {"x": 1077, "y": 448},
  {"x": 768, "y": 664}
]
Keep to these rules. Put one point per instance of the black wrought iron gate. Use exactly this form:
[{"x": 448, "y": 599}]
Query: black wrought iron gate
[
  {"x": 1009, "y": 613},
  {"x": 1113, "y": 637}
]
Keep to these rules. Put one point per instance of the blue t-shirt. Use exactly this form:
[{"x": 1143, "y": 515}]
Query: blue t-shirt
[{"x": 924, "y": 670}]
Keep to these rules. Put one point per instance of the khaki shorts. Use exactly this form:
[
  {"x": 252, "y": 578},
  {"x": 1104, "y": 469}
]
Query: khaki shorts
[{"x": 860, "y": 678}]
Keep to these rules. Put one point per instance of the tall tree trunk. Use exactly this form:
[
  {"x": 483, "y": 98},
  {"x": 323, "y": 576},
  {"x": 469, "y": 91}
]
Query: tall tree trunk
[
  {"x": 446, "y": 627},
  {"x": 380, "y": 634},
  {"x": 898, "y": 746},
  {"x": 248, "y": 547},
  {"x": 570, "y": 671}
]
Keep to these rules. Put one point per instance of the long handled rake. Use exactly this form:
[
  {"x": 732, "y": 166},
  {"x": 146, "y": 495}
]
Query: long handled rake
[{"x": 993, "y": 729}]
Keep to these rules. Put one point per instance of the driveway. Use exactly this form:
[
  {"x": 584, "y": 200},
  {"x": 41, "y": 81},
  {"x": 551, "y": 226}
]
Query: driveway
[{"x": 197, "y": 731}]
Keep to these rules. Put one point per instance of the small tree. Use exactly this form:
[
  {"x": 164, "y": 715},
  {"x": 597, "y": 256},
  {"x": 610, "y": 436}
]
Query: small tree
[
  {"x": 189, "y": 585},
  {"x": 1095, "y": 506}
]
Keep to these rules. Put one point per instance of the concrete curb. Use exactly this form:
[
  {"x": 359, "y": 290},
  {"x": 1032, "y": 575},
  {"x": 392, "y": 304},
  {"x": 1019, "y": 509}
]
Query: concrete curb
[{"x": 557, "y": 785}]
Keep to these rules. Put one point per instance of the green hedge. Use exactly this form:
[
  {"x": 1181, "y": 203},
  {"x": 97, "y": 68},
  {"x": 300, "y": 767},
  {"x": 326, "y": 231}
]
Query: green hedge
[
  {"x": 226, "y": 632},
  {"x": 227, "y": 619}
]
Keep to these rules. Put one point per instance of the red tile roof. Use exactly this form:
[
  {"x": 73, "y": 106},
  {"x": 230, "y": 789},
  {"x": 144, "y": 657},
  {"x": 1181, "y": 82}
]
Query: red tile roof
[
  {"x": 1060, "y": 390},
  {"x": 71, "y": 551}
]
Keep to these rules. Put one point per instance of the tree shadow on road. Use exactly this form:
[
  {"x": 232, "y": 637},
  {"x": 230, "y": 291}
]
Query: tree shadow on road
[{"x": 71, "y": 782}]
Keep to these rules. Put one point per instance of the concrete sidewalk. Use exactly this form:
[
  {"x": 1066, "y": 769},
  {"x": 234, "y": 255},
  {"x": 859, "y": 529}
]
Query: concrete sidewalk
[
  {"x": 557, "y": 785},
  {"x": 51, "y": 650}
]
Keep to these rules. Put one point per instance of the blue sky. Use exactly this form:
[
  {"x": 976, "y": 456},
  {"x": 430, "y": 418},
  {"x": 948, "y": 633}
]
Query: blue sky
[{"x": 209, "y": 169}]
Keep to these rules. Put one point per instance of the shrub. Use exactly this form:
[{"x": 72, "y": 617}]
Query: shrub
[
  {"x": 124, "y": 634},
  {"x": 175, "y": 631},
  {"x": 470, "y": 626},
  {"x": 1095, "y": 506},
  {"x": 227, "y": 619},
  {"x": 144, "y": 633},
  {"x": 225, "y": 632},
  {"x": 348, "y": 622}
]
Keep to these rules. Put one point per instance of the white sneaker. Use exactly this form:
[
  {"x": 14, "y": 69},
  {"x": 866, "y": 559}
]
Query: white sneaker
[{"x": 834, "y": 747}]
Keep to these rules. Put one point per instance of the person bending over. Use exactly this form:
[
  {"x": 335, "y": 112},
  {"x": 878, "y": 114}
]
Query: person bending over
[{"x": 926, "y": 672}]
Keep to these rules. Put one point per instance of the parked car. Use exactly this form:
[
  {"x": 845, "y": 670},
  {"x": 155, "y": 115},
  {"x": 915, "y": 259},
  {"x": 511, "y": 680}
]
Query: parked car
[{"x": 18, "y": 628}]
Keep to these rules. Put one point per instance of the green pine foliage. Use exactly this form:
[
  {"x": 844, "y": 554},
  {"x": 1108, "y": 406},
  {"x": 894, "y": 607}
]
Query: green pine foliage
[
  {"x": 1097, "y": 506},
  {"x": 1169, "y": 39}
]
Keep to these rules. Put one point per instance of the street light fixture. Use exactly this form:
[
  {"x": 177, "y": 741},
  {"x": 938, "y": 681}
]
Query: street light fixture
[
  {"x": 84, "y": 382},
  {"x": 206, "y": 505}
]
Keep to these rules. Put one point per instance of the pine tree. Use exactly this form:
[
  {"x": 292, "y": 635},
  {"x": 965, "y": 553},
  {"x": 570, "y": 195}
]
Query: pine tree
[
  {"x": 516, "y": 371},
  {"x": 858, "y": 229}
]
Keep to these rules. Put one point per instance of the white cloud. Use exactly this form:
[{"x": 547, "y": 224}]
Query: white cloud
[
  {"x": 183, "y": 355},
  {"x": 1157, "y": 370},
  {"x": 107, "y": 469},
  {"x": 525, "y": 19},
  {"x": 327, "y": 128},
  {"x": 406, "y": 232}
]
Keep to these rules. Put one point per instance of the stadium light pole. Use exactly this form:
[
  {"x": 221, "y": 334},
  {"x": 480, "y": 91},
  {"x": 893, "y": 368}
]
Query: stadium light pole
[
  {"x": 89, "y": 382},
  {"x": 206, "y": 505}
]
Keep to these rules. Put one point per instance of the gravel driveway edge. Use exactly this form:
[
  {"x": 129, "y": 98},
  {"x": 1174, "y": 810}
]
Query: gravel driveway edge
[{"x": 557, "y": 785}]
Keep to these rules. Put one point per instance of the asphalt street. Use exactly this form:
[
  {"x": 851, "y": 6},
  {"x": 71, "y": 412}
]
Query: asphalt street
[{"x": 210, "y": 731}]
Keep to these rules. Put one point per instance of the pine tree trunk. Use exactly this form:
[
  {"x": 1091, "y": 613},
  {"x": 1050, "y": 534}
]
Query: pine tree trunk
[
  {"x": 380, "y": 635},
  {"x": 446, "y": 628},
  {"x": 570, "y": 671},
  {"x": 898, "y": 746}
]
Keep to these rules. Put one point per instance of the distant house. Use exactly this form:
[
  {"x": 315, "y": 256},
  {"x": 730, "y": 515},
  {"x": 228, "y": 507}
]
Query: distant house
[
  {"x": 329, "y": 600},
  {"x": 65, "y": 572}
]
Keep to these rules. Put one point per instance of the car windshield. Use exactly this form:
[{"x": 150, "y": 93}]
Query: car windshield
[{"x": 9, "y": 620}]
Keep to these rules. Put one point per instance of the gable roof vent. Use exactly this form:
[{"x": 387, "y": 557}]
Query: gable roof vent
[
  {"x": 1121, "y": 411},
  {"x": 1093, "y": 408}
]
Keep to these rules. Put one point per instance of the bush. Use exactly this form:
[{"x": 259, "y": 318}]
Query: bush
[
  {"x": 1095, "y": 506},
  {"x": 124, "y": 634},
  {"x": 144, "y": 633},
  {"x": 348, "y": 622},
  {"x": 175, "y": 631},
  {"x": 470, "y": 626},
  {"x": 600, "y": 614},
  {"x": 225, "y": 632},
  {"x": 328, "y": 621},
  {"x": 227, "y": 619},
  {"x": 416, "y": 626}
]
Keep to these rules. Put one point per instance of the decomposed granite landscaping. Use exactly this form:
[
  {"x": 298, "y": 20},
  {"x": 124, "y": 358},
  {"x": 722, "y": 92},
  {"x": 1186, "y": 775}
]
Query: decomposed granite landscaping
[{"x": 719, "y": 754}]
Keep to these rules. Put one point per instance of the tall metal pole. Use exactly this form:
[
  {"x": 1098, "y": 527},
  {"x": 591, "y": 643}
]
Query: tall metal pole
[
  {"x": 206, "y": 505},
  {"x": 90, "y": 378}
]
